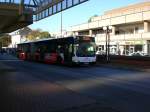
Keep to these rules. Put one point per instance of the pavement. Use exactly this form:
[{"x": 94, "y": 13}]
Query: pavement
[
  {"x": 25, "y": 90},
  {"x": 124, "y": 66},
  {"x": 36, "y": 87}
]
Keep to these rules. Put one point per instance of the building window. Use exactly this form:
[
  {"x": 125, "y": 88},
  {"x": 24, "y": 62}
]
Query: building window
[
  {"x": 117, "y": 32},
  {"x": 138, "y": 48},
  {"x": 136, "y": 29}
]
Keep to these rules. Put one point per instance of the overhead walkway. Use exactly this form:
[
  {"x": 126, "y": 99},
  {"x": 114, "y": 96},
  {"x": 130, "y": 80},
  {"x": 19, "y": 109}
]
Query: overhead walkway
[
  {"x": 16, "y": 14},
  {"x": 11, "y": 19}
]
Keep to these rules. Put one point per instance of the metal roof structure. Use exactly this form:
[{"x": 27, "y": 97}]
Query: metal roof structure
[
  {"x": 15, "y": 14},
  {"x": 12, "y": 17},
  {"x": 49, "y": 7},
  {"x": 43, "y": 8}
]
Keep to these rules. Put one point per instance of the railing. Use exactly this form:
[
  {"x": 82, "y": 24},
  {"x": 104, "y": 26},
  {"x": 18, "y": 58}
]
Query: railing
[
  {"x": 123, "y": 19},
  {"x": 15, "y": 5},
  {"x": 6, "y": 1},
  {"x": 122, "y": 37}
]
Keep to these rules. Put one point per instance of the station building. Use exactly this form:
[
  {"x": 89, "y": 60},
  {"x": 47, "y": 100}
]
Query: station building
[
  {"x": 19, "y": 36},
  {"x": 130, "y": 29}
]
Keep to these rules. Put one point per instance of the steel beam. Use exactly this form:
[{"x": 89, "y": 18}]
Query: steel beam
[
  {"x": 53, "y": 8},
  {"x": 42, "y": 8}
]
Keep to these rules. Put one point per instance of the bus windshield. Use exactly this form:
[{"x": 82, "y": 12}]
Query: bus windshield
[{"x": 85, "y": 49}]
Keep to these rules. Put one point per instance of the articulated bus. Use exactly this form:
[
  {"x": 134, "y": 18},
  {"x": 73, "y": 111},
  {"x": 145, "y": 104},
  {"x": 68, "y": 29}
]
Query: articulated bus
[{"x": 68, "y": 50}]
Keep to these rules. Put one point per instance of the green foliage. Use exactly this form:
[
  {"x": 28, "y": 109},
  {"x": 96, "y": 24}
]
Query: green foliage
[
  {"x": 38, "y": 34},
  {"x": 90, "y": 19},
  {"x": 33, "y": 35},
  {"x": 44, "y": 35},
  {"x": 5, "y": 40}
]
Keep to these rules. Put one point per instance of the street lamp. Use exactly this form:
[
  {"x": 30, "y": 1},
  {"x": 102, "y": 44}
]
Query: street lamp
[
  {"x": 107, "y": 30},
  {"x": 61, "y": 24}
]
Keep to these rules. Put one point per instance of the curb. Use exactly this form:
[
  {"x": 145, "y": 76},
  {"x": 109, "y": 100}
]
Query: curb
[{"x": 123, "y": 67}]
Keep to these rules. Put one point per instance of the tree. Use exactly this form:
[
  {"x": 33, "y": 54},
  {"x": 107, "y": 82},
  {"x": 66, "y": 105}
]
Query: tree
[
  {"x": 38, "y": 34},
  {"x": 90, "y": 19},
  {"x": 5, "y": 40},
  {"x": 33, "y": 35},
  {"x": 44, "y": 35}
]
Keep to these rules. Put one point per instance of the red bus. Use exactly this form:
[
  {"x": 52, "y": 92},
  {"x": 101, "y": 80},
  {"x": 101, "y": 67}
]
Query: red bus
[{"x": 68, "y": 50}]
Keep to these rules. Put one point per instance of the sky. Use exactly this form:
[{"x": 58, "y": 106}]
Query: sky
[{"x": 79, "y": 14}]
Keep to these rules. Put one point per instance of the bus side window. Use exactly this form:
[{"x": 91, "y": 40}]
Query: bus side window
[
  {"x": 38, "y": 50},
  {"x": 75, "y": 49},
  {"x": 70, "y": 48},
  {"x": 60, "y": 49}
]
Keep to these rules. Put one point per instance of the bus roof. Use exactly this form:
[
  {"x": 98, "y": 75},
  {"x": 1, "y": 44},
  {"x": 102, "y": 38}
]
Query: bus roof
[{"x": 41, "y": 40}]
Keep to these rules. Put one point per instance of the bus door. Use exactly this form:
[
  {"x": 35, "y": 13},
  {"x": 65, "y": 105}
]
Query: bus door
[
  {"x": 131, "y": 49},
  {"x": 68, "y": 53}
]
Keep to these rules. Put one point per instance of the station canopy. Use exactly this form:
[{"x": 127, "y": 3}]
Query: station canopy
[{"x": 44, "y": 8}]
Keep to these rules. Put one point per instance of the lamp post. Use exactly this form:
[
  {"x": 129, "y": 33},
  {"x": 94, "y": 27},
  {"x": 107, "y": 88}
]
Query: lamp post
[
  {"x": 61, "y": 24},
  {"x": 107, "y": 30}
]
